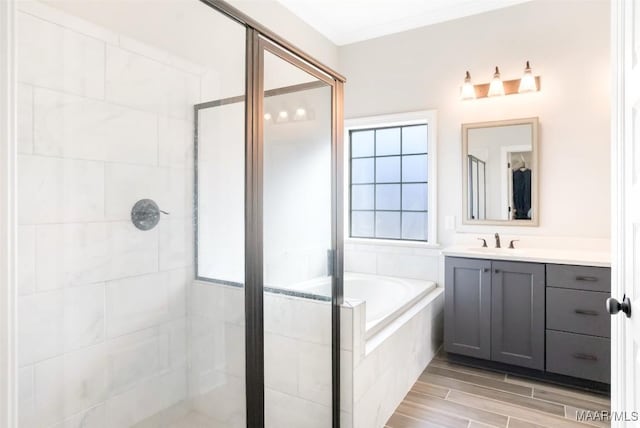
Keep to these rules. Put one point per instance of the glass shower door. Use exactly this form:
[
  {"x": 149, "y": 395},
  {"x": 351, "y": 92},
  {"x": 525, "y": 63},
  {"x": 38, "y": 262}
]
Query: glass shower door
[{"x": 297, "y": 244}]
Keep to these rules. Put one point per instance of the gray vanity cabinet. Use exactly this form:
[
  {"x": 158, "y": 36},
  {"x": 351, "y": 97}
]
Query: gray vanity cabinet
[
  {"x": 517, "y": 315},
  {"x": 467, "y": 325}
]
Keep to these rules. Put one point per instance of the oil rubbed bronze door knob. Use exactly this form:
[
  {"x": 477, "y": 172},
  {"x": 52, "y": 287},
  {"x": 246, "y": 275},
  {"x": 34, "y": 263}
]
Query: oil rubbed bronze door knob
[{"x": 613, "y": 306}]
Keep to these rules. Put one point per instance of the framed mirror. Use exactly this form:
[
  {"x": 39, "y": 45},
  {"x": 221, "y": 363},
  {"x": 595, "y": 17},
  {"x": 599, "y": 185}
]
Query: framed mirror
[{"x": 500, "y": 172}]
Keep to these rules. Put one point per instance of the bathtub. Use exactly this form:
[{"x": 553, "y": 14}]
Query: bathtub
[
  {"x": 390, "y": 330},
  {"x": 385, "y": 298}
]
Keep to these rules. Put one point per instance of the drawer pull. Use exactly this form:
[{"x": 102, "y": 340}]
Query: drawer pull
[
  {"x": 580, "y": 356},
  {"x": 587, "y": 278},
  {"x": 586, "y": 312}
]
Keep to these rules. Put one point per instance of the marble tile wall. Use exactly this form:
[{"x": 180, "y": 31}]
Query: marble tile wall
[
  {"x": 378, "y": 372},
  {"x": 103, "y": 121},
  {"x": 404, "y": 261}
]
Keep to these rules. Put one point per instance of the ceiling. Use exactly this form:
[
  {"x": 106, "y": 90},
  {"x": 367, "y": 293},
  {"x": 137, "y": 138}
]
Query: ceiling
[{"x": 349, "y": 21}]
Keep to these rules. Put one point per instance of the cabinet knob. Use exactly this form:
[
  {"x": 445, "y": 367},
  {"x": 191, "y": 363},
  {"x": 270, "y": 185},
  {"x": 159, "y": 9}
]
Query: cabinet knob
[
  {"x": 485, "y": 270},
  {"x": 496, "y": 271}
]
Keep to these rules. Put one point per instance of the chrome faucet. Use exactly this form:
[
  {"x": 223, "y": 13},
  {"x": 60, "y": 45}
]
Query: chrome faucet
[{"x": 497, "y": 240}]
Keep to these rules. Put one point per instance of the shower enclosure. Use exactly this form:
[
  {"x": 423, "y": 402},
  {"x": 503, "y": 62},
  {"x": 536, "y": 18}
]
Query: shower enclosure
[{"x": 179, "y": 191}]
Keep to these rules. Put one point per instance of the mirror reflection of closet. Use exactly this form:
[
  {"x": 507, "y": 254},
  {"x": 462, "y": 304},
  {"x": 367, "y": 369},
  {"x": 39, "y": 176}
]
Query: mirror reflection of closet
[{"x": 500, "y": 172}]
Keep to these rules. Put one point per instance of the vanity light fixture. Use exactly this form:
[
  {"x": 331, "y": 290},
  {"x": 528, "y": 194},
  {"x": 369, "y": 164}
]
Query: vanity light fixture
[
  {"x": 498, "y": 87},
  {"x": 527, "y": 82},
  {"x": 467, "y": 92}
]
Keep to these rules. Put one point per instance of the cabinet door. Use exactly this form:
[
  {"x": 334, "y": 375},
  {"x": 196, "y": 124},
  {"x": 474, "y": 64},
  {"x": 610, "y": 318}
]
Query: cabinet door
[
  {"x": 467, "y": 319},
  {"x": 518, "y": 314}
]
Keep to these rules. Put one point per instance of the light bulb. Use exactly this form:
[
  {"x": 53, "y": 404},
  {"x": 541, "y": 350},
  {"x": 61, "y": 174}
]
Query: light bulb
[
  {"x": 528, "y": 81},
  {"x": 267, "y": 116},
  {"x": 301, "y": 113},
  {"x": 467, "y": 92},
  {"x": 496, "y": 88},
  {"x": 283, "y": 115}
]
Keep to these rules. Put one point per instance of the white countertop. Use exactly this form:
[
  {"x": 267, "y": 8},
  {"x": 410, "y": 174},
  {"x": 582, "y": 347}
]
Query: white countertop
[{"x": 537, "y": 255}]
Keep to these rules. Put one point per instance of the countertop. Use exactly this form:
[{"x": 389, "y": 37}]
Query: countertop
[{"x": 535, "y": 255}]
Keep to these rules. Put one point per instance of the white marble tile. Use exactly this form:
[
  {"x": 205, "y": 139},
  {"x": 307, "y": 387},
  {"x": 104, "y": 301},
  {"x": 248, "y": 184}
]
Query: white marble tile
[
  {"x": 346, "y": 381},
  {"x": 281, "y": 363},
  {"x": 136, "y": 357},
  {"x": 177, "y": 331},
  {"x": 82, "y": 128},
  {"x": 92, "y": 418},
  {"x": 279, "y": 315},
  {"x": 149, "y": 85},
  {"x": 25, "y": 384},
  {"x": 360, "y": 261},
  {"x": 207, "y": 300},
  {"x": 40, "y": 327},
  {"x": 69, "y": 384},
  {"x": 235, "y": 350},
  {"x": 234, "y": 310},
  {"x": 25, "y": 118},
  {"x": 83, "y": 253},
  {"x": 282, "y": 410},
  {"x": 207, "y": 353},
  {"x": 136, "y": 303},
  {"x": 314, "y": 371},
  {"x": 177, "y": 191},
  {"x": 312, "y": 320},
  {"x": 224, "y": 403},
  {"x": 346, "y": 328},
  {"x": 26, "y": 259},
  {"x": 178, "y": 283},
  {"x": 84, "y": 317},
  {"x": 145, "y": 399},
  {"x": 72, "y": 22},
  {"x": 176, "y": 243},
  {"x": 408, "y": 266},
  {"x": 176, "y": 143},
  {"x": 131, "y": 251},
  {"x": 126, "y": 184},
  {"x": 59, "y": 190},
  {"x": 54, "y": 57}
]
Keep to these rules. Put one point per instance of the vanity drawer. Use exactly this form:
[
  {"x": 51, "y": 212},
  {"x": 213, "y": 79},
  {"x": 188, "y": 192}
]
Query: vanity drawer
[
  {"x": 579, "y": 277},
  {"x": 580, "y": 356},
  {"x": 578, "y": 311}
]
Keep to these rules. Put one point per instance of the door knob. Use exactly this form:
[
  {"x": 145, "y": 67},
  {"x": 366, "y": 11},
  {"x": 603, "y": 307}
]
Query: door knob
[{"x": 613, "y": 306}]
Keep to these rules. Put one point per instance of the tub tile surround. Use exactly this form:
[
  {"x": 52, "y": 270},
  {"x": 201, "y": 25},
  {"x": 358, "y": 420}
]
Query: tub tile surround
[
  {"x": 378, "y": 372},
  {"x": 102, "y": 305}
]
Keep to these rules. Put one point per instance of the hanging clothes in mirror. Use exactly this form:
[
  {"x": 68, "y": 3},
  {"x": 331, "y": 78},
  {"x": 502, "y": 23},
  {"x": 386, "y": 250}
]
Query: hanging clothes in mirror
[{"x": 521, "y": 180}]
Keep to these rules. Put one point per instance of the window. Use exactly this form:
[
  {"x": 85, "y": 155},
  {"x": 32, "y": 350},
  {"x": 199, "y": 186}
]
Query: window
[{"x": 389, "y": 181}]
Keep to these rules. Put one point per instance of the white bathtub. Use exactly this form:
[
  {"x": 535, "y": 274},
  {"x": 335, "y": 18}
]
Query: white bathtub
[{"x": 385, "y": 297}]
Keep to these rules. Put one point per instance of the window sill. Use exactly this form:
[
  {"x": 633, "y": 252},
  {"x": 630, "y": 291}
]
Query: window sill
[{"x": 391, "y": 243}]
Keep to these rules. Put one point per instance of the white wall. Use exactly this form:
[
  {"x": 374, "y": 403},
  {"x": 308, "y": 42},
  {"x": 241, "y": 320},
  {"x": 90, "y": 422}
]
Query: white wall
[
  {"x": 283, "y": 22},
  {"x": 567, "y": 43}
]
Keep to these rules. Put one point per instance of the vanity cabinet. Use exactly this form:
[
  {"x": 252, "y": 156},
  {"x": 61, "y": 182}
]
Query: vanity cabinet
[
  {"x": 542, "y": 316},
  {"x": 468, "y": 307},
  {"x": 578, "y": 324},
  {"x": 517, "y": 313},
  {"x": 494, "y": 310}
]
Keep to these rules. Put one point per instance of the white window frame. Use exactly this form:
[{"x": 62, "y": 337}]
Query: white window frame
[{"x": 424, "y": 117}]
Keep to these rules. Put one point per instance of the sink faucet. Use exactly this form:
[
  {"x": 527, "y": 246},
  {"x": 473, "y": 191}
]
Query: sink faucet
[{"x": 497, "y": 240}]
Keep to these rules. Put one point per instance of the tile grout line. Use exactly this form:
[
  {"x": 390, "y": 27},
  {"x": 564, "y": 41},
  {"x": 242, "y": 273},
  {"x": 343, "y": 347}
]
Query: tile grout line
[{"x": 507, "y": 403}]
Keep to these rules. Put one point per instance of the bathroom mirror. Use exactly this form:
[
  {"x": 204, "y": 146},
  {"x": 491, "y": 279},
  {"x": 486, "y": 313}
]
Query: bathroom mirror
[{"x": 500, "y": 172}]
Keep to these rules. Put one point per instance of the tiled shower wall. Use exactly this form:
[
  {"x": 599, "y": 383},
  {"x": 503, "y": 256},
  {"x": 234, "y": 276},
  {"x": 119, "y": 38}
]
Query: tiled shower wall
[{"x": 103, "y": 122}]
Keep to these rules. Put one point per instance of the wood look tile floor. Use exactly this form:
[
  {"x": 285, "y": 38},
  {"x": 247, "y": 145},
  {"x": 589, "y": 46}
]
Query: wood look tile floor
[{"x": 452, "y": 395}]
